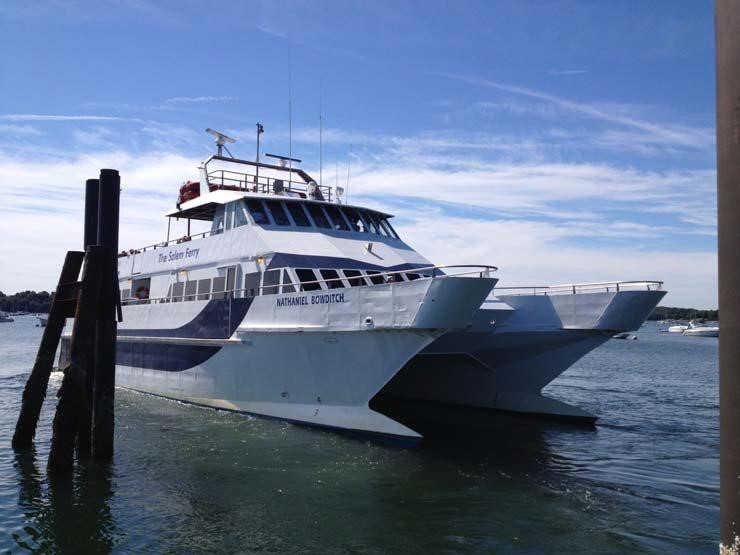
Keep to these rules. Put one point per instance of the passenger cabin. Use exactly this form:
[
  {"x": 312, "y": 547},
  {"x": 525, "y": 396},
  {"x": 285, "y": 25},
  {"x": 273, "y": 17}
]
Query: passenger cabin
[{"x": 274, "y": 198}]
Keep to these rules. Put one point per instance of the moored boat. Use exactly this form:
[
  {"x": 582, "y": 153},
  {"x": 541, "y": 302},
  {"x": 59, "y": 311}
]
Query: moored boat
[{"x": 701, "y": 330}]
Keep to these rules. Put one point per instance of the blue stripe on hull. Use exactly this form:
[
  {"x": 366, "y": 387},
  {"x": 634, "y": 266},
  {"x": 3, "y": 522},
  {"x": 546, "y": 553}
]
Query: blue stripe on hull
[
  {"x": 218, "y": 320},
  {"x": 161, "y": 356}
]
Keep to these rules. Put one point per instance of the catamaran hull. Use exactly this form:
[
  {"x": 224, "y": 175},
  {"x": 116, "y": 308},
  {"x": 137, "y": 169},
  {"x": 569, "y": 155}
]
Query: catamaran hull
[
  {"x": 512, "y": 350},
  {"x": 318, "y": 378}
]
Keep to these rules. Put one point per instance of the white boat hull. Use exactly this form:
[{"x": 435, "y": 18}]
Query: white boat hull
[
  {"x": 315, "y": 362},
  {"x": 320, "y": 378},
  {"x": 515, "y": 348},
  {"x": 702, "y": 332}
]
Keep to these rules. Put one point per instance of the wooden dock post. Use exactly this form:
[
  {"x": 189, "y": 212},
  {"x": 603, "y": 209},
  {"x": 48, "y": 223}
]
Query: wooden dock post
[
  {"x": 727, "y": 29},
  {"x": 105, "y": 340},
  {"x": 35, "y": 391},
  {"x": 72, "y": 404},
  {"x": 84, "y": 432}
]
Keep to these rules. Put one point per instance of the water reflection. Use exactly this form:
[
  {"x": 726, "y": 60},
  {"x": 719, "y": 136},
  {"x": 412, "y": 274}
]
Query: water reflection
[{"x": 65, "y": 514}]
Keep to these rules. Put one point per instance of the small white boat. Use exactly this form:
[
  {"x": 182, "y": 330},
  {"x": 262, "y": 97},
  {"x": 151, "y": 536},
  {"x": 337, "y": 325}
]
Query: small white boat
[
  {"x": 701, "y": 330},
  {"x": 5, "y": 318},
  {"x": 678, "y": 329}
]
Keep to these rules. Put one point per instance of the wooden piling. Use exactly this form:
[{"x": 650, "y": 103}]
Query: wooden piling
[
  {"x": 105, "y": 340},
  {"x": 35, "y": 390},
  {"x": 727, "y": 29},
  {"x": 72, "y": 405},
  {"x": 84, "y": 432}
]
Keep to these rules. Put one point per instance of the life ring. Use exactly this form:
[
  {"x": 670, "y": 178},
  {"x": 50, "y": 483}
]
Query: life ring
[{"x": 142, "y": 293}]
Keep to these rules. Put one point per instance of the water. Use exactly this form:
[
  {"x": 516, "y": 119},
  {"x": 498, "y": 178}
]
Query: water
[{"x": 188, "y": 479}]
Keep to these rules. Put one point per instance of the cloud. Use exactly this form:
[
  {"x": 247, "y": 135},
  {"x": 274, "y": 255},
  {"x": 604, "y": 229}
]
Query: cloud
[
  {"x": 53, "y": 117},
  {"x": 674, "y": 135},
  {"x": 530, "y": 253},
  {"x": 199, "y": 99},
  {"x": 20, "y": 130},
  {"x": 459, "y": 197},
  {"x": 567, "y": 71}
]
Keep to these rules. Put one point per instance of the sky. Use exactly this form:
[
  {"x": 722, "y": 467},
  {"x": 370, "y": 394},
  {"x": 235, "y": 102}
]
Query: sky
[{"x": 563, "y": 142}]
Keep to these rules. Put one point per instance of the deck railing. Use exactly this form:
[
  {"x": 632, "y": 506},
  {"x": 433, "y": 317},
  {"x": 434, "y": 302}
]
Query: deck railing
[
  {"x": 253, "y": 183},
  {"x": 575, "y": 288}
]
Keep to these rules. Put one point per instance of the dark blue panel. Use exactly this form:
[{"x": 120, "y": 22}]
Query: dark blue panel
[
  {"x": 160, "y": 356},
  {"x": 218, "y": 320},
  {"x": 280, "y": 260}
]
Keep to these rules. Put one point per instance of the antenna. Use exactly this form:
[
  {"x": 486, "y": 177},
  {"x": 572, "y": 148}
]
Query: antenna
[
  {"x": 260, "y": 130},
  {"x": 290, "y": 127},
  {"x": 321, "y": 144},
  {"x": 221, "y": 139},
  {"x": 349, "y": 161}
]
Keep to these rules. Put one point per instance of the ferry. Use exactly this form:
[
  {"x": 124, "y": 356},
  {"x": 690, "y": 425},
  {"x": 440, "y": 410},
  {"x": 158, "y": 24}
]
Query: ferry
[{"x": 299, "y": 306}]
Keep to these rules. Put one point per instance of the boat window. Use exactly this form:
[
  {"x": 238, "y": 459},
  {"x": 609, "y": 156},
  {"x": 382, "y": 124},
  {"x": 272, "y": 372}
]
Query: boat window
[
  {"x": 386, "y": 227},
  {"x": 204, "y": 289},
  {"x": 257, "y": 211},
  {"x": 230, "y": 281},
  {"x": 375, "y": 277},
  {"x": 219, "y": 286},
  {"x": 318, "y": 216},
  {"x": 177, "y": 289},
  {"x": 191, "y": 288},
  {"x": 299, "y": 216},
  {"x": 229, "y": 215},
  {"x": 390, "y": 228},
  {"x": 125, "y": 294},
  {"x": 140, "y": 287},
  {"x": 376, "y": 219},
  {"x": 354, "y": 277},
  {"x": 240, "y": 216},
  {"x": 355, "y": 222},
  {"x": 251, "y": 284},
  {"x": 336, "y": 283},
  {"x": 335, "y": 215},
  {"x": 288, "y": 286},
  {"x": 270, "y": 282},
  {"x": 306, "y": 276},
  {"x": 373, "y": 225},
  {"x": 412, "y": 277},
  {"x": 218, "y": 221},
  {"x": 277, "y": 211}
]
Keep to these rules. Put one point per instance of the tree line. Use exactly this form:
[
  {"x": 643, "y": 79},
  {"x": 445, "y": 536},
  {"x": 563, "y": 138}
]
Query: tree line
[
  {"x": 25, "y": 301},
  {"x": 674, "y": 313}
]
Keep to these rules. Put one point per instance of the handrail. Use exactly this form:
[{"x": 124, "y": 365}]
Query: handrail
[
  {"x": 162, "y": 244},
  {"x": 482, "y": 270},
  {"x": 574, "y": 288},
  {"x": 259, "y": 184}
]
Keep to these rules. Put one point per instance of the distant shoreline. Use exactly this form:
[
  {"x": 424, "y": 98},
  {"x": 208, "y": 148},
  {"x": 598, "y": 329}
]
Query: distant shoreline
[{"x": 676, "y": 313}]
